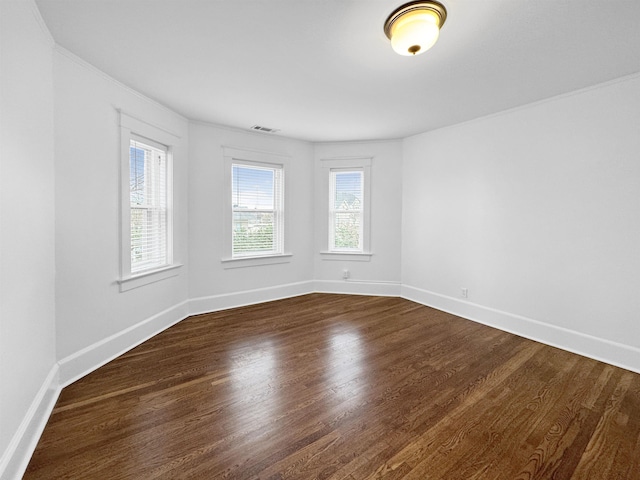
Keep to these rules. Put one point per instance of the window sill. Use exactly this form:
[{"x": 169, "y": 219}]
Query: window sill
[
  {"x": 152, "y": 276},
  {"x": 255, "y": 261},
  {"x": 352, "y": 256}
]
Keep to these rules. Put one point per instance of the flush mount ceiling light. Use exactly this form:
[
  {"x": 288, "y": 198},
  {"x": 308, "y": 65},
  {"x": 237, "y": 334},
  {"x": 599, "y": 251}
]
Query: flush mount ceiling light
[{"x": 414, "y": 27}]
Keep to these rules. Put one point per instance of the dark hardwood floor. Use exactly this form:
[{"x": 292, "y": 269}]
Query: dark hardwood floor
[{"x": 344, "y": 387}]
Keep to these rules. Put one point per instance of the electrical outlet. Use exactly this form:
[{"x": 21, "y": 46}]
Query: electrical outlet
[
  {"x": 345, "y": 274},
  {"x": 465, "y": 293}
]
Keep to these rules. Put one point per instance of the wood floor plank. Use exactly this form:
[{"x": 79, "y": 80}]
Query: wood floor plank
[
  {"x": 539, "y": 392},
  {"x": 600, "y": 453},
  {"x": 343, "y": 387}
]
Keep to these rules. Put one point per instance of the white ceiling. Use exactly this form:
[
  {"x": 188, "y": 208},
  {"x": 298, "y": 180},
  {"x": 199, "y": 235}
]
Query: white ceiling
[{"x": 323, "y": 70}]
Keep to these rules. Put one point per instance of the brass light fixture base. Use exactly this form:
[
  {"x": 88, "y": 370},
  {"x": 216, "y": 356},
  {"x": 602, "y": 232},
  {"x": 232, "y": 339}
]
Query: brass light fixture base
[{"x": 432, "y": 5}]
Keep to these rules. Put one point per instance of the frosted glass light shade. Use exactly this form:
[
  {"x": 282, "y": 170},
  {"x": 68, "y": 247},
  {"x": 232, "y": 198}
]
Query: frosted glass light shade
[
  {"x": 415, "y": 27},
  {"x": 415, "y": 33}
]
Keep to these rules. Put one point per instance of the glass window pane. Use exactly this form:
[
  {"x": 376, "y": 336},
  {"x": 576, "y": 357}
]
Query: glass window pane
[
  {"x": 348, "y": 191},
  {"x": 149, "y": 213},
  {"x": 346, "y": 204},
  {"x": 253, "y": 187},
  {"x": 256, "y": 210}
]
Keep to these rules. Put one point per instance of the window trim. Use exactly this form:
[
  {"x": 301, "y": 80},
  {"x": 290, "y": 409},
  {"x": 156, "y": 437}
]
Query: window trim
[
  {"x": 236, "y": 155},
  {"x": 346, "y": 164},
  {"x": 131, "y": 127}
]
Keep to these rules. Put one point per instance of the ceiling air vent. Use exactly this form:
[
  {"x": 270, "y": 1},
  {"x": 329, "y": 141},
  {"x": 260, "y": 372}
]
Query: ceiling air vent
[{"x": 258, "y": 128}]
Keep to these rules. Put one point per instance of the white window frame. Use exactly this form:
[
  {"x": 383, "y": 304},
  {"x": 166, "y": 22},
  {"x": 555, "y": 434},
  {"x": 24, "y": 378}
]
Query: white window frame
[
  {"x": 241, "y": 156},
  {"x": 136, "y": 129},
  {"x": 330, "y": 165}
]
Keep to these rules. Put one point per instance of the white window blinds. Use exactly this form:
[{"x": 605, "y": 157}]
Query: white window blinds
[
  {"x": 346, "y": 204},
  {"x": 148, "y": 200},
  {"x": 257, "y": 210}
]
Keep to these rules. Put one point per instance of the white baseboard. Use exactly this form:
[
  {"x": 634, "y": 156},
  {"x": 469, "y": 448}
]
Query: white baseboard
[
  {"x": 618, "y": 354},
  {"x": 90, "y": 358},
  {"x": 16, "y": 457},
  {"x": 224, "y": 301},
  {"x": 354, "y": 287}
]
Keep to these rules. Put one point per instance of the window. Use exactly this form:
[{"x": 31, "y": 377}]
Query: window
[
  {"x": 148, "y": 201},
  {"x": 346, "y": 202},
  {"x": 257, "y": 210},
  {"x": 146, "y": 194},
  {"x": 347, "y": 186}
]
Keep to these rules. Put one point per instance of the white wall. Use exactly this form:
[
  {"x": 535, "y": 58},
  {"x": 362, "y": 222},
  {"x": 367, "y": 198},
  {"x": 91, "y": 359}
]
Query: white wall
[
  {"x": 211, "y": 285},
  {"x": 27, "y": 321},
  {"x": 380, "y": 275},
  {"x": 90, "y": 308},
  {"x": 536, "y": 212}
]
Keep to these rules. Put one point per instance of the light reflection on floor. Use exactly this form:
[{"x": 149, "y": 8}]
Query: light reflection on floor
[
  {"x": 254, "y": 381},
  {"x": 346, "y": 363},
  {"x": 258, "y": 368}
]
